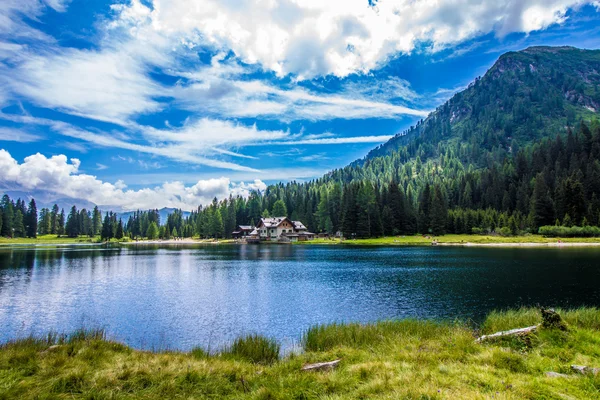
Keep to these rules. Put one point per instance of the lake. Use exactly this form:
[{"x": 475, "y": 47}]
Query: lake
[{"x": 181, "y": 297}]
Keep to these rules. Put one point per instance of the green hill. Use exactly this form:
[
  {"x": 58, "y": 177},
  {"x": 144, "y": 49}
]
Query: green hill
[{"x": 525, "y": 96}]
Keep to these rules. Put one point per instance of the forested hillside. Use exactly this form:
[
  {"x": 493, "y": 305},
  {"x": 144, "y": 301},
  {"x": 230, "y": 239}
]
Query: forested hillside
[{"x": 517, "y": 150}]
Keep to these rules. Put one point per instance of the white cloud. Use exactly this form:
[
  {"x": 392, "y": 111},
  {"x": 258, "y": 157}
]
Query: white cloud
[
  {"x": 334, "y": 140},
  {"x": 17, "y": 135},
  {"x": 196, "y": 141},
  {"x": 61, "y": 176},
  {"x": 12, "y": 11},
  {"x": 314, "y": 37},
  {"x": 220, "y": 89},
  {"x": 110, "y": 85}
]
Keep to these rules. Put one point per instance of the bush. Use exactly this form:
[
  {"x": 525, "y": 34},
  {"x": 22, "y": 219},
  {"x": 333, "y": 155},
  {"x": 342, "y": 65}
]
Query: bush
[
  {"x": 476, "y": 231},
  {"x": 505, "y": 231},
  {"x": 254, "y": 348},
  {"x": 574, "y": 231}
]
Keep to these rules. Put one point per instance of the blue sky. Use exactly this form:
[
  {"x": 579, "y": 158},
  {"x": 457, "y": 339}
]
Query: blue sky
[{"x": 169, "y": 103}]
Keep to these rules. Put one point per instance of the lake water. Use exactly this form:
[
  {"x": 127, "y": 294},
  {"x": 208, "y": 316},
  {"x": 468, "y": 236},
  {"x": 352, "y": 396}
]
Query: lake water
[{"x": 181, "y": 297}]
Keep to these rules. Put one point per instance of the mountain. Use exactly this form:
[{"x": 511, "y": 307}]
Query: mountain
[
  {"x": 523, "y": 97},
  {"x": 45, "y": 199},
  {"x": 163, "y": 213}
]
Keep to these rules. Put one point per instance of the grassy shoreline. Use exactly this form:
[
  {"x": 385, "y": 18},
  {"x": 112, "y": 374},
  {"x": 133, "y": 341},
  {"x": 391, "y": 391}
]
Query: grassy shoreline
[
  {"x": 460, "y": 240},
  {"x": 53, "y": 240},
  {"x": 415, "y": 240},
  {"x": 386, "y": 360}
]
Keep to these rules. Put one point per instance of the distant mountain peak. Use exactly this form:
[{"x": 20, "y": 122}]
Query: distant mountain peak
[{"x": 526, "y": 95}]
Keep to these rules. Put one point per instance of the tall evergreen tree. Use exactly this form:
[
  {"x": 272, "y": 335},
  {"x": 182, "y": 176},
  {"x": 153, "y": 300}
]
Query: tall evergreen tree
[
  {"x": 60, "y": 223},
  {"x": 18, "y": 226},
  {"x": 7, "y": 216},
  {"x": 32, "y": 220},
  {"x": 72, "y": 226}
]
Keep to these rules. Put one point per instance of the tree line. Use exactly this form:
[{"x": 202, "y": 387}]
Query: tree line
[{"x": 551, "y": 182}]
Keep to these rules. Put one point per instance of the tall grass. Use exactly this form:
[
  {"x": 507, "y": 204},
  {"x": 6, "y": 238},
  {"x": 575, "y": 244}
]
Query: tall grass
[
  {"x": 586, "y": 318},
  {"x": 254, "y": 348},
  {"x": 327, "y": 337}
]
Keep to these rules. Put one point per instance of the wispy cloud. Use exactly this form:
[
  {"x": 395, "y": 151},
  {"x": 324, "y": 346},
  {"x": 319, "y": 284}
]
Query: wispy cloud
[
  {"x": 334, "y": 140},
  {"x": 17, "y": 135},
  {"x": 101, "y": 167},
  {"x": 314, "y": 157}
]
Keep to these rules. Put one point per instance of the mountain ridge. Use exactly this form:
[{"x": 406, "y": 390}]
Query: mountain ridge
[{"x": 518, "y": 67}]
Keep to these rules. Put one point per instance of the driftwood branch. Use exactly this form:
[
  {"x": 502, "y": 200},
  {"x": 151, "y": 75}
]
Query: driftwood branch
[
  {"x": 518, "y": 331},
  {"x": 324, "y": 366}
]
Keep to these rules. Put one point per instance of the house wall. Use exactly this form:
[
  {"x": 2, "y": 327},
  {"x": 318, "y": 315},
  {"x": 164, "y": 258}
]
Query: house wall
[{"x": 274, "y": 233}]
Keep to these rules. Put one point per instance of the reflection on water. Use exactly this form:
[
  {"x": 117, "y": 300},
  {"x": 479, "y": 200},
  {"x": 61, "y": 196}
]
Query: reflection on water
[{"x": 180, "y": 297}]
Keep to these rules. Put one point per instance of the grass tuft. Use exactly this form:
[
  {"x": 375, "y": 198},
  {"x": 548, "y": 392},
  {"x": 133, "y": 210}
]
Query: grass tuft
[
  {"x": 327, "y": 337},
  {"x": 254, "y": 348}
]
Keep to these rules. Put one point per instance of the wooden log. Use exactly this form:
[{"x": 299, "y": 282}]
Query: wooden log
[
  {"x": 518, "y": 331},
  {"x": 51, "y": 348},
  {"x": 323, "y": 366},
  {"x": 552, "y": 374}
]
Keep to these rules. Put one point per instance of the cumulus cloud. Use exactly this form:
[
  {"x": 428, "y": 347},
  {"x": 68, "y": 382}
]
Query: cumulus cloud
[
  {"x": 61, "y": 176},
  {"x": 312, "y": 37}
]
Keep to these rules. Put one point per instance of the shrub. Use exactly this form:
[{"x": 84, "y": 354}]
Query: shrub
[
  {"x": 505, "y": 231},
  {"x": 254, "y": 348},
  {"x": 573, "y": 231}
]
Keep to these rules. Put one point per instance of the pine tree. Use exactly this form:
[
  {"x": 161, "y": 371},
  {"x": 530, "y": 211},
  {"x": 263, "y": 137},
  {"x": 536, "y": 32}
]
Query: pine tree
[
  {"x": 119, "y": 235},
  {"x": 32, "y": 220},
  {"x": 424, "y": 204},
  {"x": 322, "y": 211},
  {"x": 7, "y": 216},
  {"x": 387, "y": 218},
  {"x": 60, "y": 223},
  {"x": 96, "y": 221},
  {"x": 152, "y": 232},
  {"x": 542, "y": 209},
  {"x": 55, "y": 225},
  {"x": 106, "y": 228},
  {"x": 438, "y": 212},
  {"x": 18, "y": 226},
  {"x": 72, "y": 227},
  {"x": 279, "y": 209}
]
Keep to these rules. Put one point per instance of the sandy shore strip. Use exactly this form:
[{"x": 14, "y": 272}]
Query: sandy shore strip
[
  {"x": 532, "y": 244},
  {"x": 172, "y": 241}
]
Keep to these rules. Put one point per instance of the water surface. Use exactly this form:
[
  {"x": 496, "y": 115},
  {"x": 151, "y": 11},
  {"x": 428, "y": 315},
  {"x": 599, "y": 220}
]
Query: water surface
[{"x": 181, "y": 297}]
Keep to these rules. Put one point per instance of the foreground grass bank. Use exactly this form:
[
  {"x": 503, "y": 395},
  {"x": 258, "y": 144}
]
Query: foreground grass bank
[
  {"x": 388, "y": 360},
  {"x": 420, "y": 240},
  {"x": 55, "y": 240}
]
